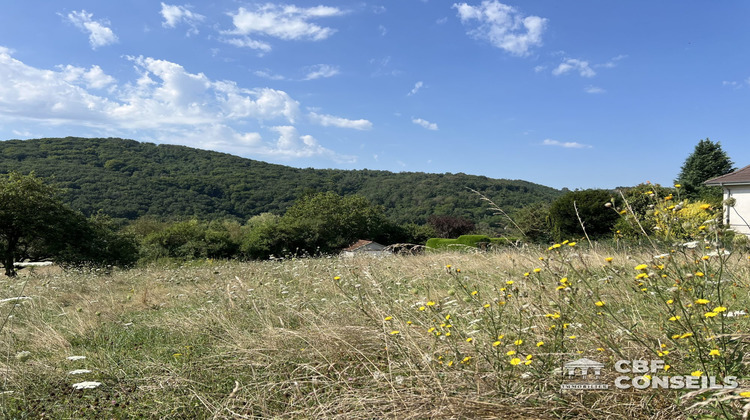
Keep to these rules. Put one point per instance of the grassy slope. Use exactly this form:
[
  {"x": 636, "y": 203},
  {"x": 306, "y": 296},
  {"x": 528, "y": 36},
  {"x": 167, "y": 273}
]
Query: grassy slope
[
  {"x": 269, "y": 339},
  {"x": 127, "y": 179}
]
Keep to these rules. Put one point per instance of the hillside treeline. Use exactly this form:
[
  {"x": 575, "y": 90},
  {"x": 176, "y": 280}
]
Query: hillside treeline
[{"x": 126, "y": 179}]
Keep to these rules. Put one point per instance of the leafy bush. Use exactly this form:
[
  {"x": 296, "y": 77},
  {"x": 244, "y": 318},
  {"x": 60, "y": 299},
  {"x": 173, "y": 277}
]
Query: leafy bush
[
  {"x": 467, "y": 241},
  {"x": 591, "y": 208}
]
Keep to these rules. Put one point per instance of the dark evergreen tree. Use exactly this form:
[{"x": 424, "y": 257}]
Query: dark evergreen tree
[{"x": 707, "y": 161}]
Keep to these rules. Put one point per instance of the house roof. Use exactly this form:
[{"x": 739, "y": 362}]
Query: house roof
[
  {"x": 359, "y": 244},
  {"x": 740, "y": 176}
]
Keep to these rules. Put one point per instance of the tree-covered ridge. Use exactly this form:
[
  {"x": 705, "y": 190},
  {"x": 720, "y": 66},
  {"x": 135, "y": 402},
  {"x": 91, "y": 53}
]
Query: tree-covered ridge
[{"x": 129, "y": 179}]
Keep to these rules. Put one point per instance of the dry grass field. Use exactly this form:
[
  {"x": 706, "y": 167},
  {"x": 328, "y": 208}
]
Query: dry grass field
[{"x": 448, "y": 335}]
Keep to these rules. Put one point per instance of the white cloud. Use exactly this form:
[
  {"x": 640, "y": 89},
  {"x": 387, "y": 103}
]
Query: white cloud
[
  {"x": 284, "y": 22},
  {"x": 99, "y": 34},
  {"x": 164, "y": 103},
  {"x": 173, "y": 15},
  {"x": 416, "y": 88},
  {"x": 321, "y": 70},
  {"x": 93, "y": 78},
  {"x": 246, "y": 42},
  {"x": 424, "y": 123},
  {"x": 735, "y": 84},
  {"x": 266, "y": 74},
  {"x": 594, "y": 89},
  {"x": 503, "y": 26},
  {"x": 330, "y": 120},
  {"x": 292, "y": 145},
  {"x": 573, "y": 64},
  {"x": 613, "y": 62},
  {"x": 567, "y": 145},
  {"x": 383, "y": 30}
]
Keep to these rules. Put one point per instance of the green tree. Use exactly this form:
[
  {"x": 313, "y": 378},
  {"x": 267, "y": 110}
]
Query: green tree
[
  {"x": 589, "y": 205},
  {"x": 707, "y": 161},
  {"x": 533, "y": 222},
  {"x": 35, "y": 224},
  {"x": 319, "y": 223}
]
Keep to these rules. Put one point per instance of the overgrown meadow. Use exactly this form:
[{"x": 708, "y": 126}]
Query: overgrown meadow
[{"x": 452, "y": 335}]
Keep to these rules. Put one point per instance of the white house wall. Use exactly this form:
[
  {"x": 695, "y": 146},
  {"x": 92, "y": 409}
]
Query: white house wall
[{"x": 739, "y": 215}]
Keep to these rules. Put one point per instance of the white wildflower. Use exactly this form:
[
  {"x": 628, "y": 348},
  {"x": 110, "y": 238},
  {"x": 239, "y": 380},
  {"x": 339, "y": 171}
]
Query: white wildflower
[
  {"x": 87, "y": 385},
  {"x": 79, "y": 371}
]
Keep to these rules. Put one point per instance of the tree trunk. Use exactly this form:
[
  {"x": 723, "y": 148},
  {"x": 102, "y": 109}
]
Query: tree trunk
[{"x": 8, "y": 258}]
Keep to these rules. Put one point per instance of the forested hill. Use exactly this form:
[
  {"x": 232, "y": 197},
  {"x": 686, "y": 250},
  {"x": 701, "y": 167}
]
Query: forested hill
[{"x": 128, "y": 179}]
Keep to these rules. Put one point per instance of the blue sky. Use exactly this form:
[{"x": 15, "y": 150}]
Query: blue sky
[{"x": 576, "y": 94}]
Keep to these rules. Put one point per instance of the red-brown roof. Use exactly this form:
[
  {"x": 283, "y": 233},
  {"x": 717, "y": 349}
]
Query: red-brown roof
[
  {"x": 740, "y": 176},
  {"x": 360, "y": 243}
]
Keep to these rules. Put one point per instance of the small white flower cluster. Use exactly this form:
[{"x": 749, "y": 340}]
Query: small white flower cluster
[{"x": 84, "y": 384}]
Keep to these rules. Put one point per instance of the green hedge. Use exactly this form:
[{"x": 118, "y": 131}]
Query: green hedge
[{"x": 470, "y": 241}]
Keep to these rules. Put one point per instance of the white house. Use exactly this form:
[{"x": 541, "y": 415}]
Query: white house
[{"x": 736, "y": 186}]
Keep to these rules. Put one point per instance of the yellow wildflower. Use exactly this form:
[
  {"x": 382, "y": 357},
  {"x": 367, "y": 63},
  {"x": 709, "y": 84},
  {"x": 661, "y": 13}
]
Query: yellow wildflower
[
  {"x": 496, "y": 343},
  {"x": 702, "y": 301},
  {"x": 609, "y": 259},
  {"x": 540, "y": 344},
  {"x": 719, "y": 309},
  {"x": 395, "y": 332},
  {"x": 388, "y": 318},
  {"x": 696, "y": 373},
  {"x": 518, "y": 342},
  {"x": 714, "y": 352},
  {"x": 641, "y": 267},
  {"x": 536, "y": 270},
  {"x": 710, "y": 314},
  {"x": 510, "y": 353},
  {"x": 599, "y": 303},
  {"x": 515, "y": 361}
]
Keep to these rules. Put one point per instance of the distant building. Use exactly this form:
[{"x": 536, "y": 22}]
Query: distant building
[
  {"x": 363, "y": 247},
  {"x": 736, "y": 186}
]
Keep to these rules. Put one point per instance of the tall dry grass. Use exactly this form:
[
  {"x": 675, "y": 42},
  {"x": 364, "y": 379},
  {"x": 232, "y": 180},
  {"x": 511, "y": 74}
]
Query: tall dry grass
[{"x": 426, "y": 336}]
